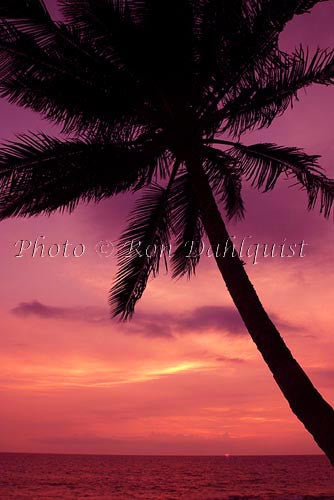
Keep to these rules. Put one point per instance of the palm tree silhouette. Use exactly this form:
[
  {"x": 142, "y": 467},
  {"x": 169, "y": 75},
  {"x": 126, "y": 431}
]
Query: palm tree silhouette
[{"x": 156, "y": 95}]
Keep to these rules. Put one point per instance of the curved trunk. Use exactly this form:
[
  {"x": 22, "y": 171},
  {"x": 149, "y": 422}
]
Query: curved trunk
[{"x": 305, "y": 401}]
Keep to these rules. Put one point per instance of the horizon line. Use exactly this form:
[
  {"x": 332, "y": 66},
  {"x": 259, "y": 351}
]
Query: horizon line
[{"x": 223, "y": 455}]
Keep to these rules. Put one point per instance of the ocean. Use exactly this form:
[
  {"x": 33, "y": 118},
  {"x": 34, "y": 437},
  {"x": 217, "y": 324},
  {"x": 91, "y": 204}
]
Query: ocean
[{"x": 37, "y": 476}]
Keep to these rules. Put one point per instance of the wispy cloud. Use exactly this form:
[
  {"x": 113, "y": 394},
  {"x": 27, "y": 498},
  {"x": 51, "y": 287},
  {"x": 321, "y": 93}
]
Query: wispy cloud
[
  {"x": 36, "y": 308},
  {"x": 220, "y": 319}
]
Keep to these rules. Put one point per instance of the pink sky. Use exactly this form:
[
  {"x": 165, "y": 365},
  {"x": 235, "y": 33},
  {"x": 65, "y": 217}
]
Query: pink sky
[{"x": 183, "y": 377}]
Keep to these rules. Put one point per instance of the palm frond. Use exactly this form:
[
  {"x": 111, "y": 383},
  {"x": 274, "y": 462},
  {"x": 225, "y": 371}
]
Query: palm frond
[
  {"x": 41, "y": 174},
  {"x": 254, "y": 50},
  {"x": 257, "y": 105},
  {"x": 283, "y": 10},
  {"x": 66, "y": 39},
  {"x": 187, "y": 227},
  {"x": 263, "y": 165},
  {"x": 99, "y": 14},
  {"x": 80, "y": 93},
  {"x": 20, "y": 9},
  {"x": 225, "y": 178},
  {"x": 111, "y": 26},
  {"x": 153, "y": 40},
  {"x": 86, "y": 112},
  {"x": 247, "y": 54},
  {"x": 149, "y": 227},
  {"x": 217, "y": 25}
]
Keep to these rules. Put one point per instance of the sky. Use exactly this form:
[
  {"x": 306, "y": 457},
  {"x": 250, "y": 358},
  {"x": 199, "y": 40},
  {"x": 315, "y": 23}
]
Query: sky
[{"x": 183, "y": 377}]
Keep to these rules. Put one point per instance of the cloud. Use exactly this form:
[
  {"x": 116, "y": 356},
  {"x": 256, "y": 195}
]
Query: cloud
[
  {"x": 224, "y": 319},
  {"x": 322, "y": 376},
  {"x": 36, "y": 308},
  {"x": 143, "y": 324},
  {"x": 221, "y": 319},
  {"x": 225, "y": 359},
  {"x": 213, "y": 317}
]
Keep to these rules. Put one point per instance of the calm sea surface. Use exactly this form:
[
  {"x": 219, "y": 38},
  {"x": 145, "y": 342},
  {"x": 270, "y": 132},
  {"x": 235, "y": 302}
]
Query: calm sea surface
[{"x": 25, "y": 476}]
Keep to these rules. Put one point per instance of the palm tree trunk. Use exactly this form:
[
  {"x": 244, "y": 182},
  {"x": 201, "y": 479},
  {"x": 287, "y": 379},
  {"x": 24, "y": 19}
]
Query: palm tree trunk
[{"x": 305, "y": 401}]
